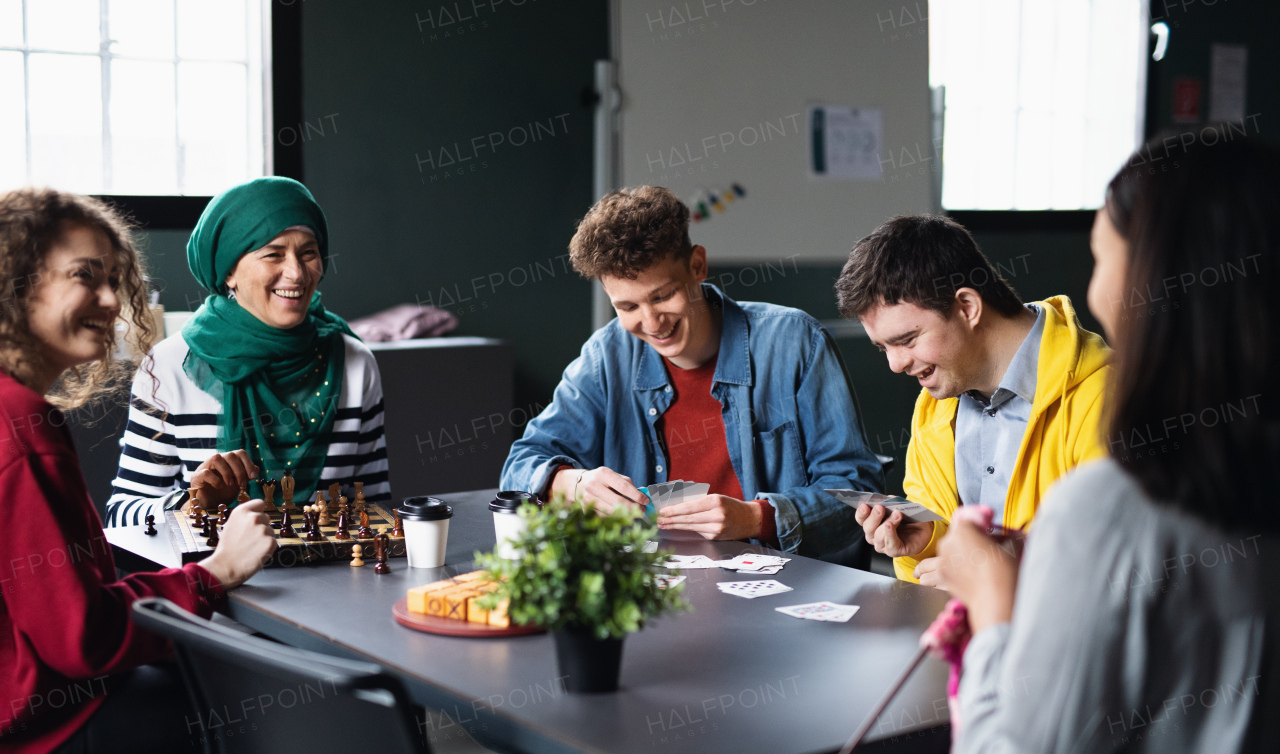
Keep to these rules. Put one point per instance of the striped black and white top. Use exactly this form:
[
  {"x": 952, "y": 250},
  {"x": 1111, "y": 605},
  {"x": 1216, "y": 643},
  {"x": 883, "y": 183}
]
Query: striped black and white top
[{"x": 173, "y": 428}]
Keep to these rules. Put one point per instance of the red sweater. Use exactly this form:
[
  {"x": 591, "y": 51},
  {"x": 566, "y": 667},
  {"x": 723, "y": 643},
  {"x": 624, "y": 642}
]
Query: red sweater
[
  {"x": 65, "y": 625},
  {"x": 693, "y": 429}
]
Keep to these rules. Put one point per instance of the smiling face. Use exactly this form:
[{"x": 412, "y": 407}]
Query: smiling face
[
  {"x": 275, "y": 283},
  {"x": 936, "y": 350},
  {"x": 1110, "y": 258},
  {"x": 665, "y": 308},
  {"x": 72, "y": 309}
]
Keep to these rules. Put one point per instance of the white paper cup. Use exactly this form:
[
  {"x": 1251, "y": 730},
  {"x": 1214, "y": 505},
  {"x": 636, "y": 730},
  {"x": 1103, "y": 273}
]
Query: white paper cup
[
  {"x": 507, "y": 523},
  {"x": 426, "y": 530}
]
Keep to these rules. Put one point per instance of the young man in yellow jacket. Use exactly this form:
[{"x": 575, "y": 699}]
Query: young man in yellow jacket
[{"x": 1012, "y": 392}]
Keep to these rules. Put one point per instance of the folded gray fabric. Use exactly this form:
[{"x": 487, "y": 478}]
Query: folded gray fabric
[{"x": 403, "y": 322}]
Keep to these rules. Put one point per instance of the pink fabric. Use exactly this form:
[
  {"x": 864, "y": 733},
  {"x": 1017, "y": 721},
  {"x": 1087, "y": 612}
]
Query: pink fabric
[
  {"x": 403, "y": 322},
  {"x": 949, "y": 634}
]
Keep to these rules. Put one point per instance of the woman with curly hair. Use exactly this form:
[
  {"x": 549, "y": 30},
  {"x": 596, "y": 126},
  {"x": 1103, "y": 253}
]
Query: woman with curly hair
[{"x": 74, "y": 670}]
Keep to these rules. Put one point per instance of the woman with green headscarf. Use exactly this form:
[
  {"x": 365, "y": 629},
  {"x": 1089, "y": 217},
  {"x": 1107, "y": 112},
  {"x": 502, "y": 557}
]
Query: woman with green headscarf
[{"x": 262, "y": 380}]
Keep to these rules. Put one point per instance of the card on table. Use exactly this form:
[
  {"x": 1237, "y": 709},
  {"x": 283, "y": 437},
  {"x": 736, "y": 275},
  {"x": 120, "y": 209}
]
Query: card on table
[
  {"x": 753, "y": 562},
  {"x": 823, "y": 611},
  {"x": 665, "y": 582},
  {"x": 752, "y": 589},
  {"x": 689, "y": 562},
  {"x": 912, "y": 512}
]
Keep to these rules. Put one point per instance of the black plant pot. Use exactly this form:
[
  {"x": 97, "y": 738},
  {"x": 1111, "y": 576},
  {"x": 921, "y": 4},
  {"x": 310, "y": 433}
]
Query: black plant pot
[{"x": 587, "y": 664}]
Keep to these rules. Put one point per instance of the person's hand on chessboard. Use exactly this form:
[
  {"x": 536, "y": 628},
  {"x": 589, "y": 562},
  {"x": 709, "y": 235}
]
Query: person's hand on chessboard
[
  {"x": 221, "y": 477},
  {"x": 246, "y": 544}
]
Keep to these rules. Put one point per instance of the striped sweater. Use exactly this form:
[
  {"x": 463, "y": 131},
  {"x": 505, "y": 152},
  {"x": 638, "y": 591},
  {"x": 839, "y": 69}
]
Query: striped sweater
[{"x": 173, "y": 428}]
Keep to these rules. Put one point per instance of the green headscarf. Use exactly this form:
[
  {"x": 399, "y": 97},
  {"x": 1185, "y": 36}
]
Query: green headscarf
[{"x": 279, "y": 389}]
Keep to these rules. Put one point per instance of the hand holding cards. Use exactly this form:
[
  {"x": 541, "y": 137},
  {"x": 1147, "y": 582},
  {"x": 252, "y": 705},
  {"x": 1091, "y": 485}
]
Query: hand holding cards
[
  {"x": 678, "y": 491},
  {"x": 912, "y": 512}
]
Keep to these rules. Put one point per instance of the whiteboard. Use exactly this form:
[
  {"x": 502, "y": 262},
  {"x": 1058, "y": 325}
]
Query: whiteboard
[{"x": 718, "y": 92}]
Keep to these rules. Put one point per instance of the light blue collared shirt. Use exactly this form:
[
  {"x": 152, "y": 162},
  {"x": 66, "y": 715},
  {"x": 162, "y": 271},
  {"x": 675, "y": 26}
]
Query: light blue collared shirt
[{"x": 989, "y": 433}]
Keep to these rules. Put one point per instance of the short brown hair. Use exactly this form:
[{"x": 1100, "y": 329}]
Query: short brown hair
[
  {"x": 31, "y": 221},
  {"x": 921, "y": 260},
  {"x": 628, "y": 231}
]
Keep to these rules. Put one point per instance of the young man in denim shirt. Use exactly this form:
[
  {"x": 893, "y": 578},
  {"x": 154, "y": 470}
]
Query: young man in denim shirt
[{"x": 750, "y": 398}]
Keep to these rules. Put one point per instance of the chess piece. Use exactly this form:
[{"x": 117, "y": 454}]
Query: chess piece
[
  {"x": 398, "y": 531},
  {"x": 322, "y": 509},
  {"x": 287, "y": 483},
  {"x": 243, "y": 497},
  {"x": 269, "y": 495},
  {"x": 151, "y": 526},
  {"x": 364, "y": 532},
  {"x": 201, "y": 521},
  {"x": 224, "y": 514},
  {"x": 212, "y": 541},
  {"x": 344, "y": 525},
  {"x": 356, "y": 552},
  {"x": 286, "y": 524},
  {"x": 360, "y": 501},
  {"x": 313, "y": 525},
  {"x": 335, "y": 491},
  {"x": 381, "y": 549}
]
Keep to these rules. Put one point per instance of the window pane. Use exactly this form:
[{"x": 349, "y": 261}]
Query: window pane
[
  {"x": 1043, "y": 100},
  {"x": 211, "y": 30},
  {"x": 143, "y": 143},
  {"x": 70, "y": 25},
  {"x": 66, "y": 122},
  {"x": 142, "y": 28},
  {"x": 212, "y": 127},
  {"x": 13, "y": 138},
  {"x": 10, "y": 23}
]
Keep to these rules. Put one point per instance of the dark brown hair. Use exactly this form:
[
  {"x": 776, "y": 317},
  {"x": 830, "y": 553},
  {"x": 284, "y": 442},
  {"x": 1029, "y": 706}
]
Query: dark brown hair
[
  {"x": 628, "y": 231},
  {"x": 1193, "y": 405},
  {"x": 31, "y": 221},
  {"x": 921, "y": 260}
]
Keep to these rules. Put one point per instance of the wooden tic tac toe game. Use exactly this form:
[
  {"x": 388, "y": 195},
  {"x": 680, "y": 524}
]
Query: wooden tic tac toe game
[{"x": 326, "y": 530}]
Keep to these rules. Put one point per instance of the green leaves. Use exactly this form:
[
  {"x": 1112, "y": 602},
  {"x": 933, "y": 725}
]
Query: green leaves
[{"x": 581, "y": 568}]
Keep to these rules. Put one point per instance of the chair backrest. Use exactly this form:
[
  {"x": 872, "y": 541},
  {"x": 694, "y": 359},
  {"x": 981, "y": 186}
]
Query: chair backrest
[{"x": 253, "y": 695}]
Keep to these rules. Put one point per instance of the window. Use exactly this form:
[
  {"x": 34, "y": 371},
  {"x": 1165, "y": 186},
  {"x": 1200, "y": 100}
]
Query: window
[
  {"x": 1043, "y": 101},
  {"x": 133, "y": 96}
]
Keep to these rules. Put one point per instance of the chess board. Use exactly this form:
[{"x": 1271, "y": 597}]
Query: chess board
[{"x": 292, "y": 551}]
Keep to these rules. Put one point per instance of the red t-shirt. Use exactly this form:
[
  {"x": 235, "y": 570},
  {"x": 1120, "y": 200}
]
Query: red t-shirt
[
  {"x": 65, "y": 621},
  {"x": 693, "y": 429}
]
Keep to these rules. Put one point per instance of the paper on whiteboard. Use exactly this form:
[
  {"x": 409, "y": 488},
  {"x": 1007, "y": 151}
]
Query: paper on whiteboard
[
  {"x": 844, "y": 142},
  {"x": 912, "y": 512}
]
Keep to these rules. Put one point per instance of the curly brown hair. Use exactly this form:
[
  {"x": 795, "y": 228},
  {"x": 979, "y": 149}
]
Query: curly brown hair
[
  {"x": 627, "y": 231},
  {"x": 31, "y": 221}
]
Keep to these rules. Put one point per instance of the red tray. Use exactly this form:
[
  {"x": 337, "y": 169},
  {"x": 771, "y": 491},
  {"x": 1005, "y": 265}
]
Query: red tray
[{"x": 434, "y": 624}]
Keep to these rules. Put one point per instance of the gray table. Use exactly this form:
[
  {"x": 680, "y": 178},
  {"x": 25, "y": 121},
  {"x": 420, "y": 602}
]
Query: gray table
[{"x": 733, "y": 675}]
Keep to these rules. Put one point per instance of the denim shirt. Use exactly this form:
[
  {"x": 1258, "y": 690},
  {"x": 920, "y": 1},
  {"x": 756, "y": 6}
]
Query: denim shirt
[{"x": 791, "y": 426}]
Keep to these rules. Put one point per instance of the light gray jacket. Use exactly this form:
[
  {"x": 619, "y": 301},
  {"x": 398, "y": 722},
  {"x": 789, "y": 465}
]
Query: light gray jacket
[{"x": 1136, "y": 628}]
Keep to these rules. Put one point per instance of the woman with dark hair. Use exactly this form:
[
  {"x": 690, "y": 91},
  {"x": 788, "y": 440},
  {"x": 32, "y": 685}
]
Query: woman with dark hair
[
  {"x": 1148, "y": 600},
  {"x": 262, "y": 380},
  {"x": 74, "y": 672}
]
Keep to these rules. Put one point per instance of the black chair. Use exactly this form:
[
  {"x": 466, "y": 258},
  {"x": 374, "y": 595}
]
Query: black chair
[{"x": 253, "y": 695}]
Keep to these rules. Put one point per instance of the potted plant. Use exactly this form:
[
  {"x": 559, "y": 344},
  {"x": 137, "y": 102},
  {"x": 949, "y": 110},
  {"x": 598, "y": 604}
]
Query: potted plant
[{"x": 587, "y": 578}]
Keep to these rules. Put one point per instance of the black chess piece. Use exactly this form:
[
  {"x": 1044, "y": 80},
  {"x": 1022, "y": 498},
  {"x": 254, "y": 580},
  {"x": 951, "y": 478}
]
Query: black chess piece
[
  {"x": 313, "y": 527},
  {"x": 212, "y": 541},
  {"x": 286, "y": 525},
  {"x": 151, "y": 526},
  {"x": 344, "y": 524},
  {"x": 398, "y": 530},
  {"x": 364, "y": 532},
  {"x": 381, "y": 548}
]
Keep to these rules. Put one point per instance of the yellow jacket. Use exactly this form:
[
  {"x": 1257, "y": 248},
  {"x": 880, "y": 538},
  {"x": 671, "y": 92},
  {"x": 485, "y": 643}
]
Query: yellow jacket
[{"x": 1062, "y": 433}]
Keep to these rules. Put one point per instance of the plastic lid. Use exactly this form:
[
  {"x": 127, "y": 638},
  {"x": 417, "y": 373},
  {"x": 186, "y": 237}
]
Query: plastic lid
[
  {"x": 510, "y": 501},
  {"x": 424, "y": 508}
]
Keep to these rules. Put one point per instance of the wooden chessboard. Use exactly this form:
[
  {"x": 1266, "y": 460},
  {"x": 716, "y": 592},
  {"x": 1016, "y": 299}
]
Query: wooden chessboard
[{"x": 190, "y": 546}]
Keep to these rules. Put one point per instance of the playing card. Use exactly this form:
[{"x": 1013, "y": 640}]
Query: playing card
[
  {"x": 912, "y": 512},
  {"x": 822, "y": 611},
  {"x": 689, "y": 562},
  {"x": 768, "y": 570},
  {"x": 651, "y": 546},
  {"x": 666, "y": 582},
  {"x": 752, "y": 562},
  {"x": 752, "y": 589}
]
